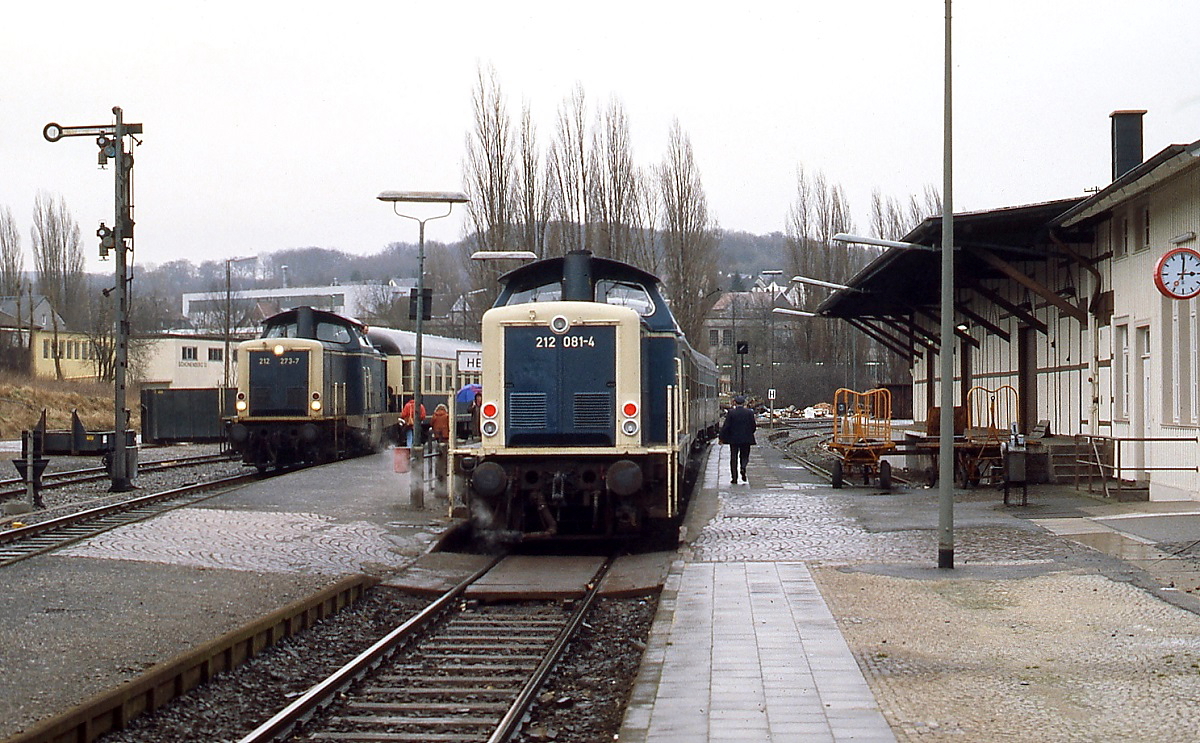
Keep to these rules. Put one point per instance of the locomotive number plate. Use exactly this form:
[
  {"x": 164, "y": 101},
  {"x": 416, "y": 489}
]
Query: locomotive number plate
[{"x": 564, "y": 341}]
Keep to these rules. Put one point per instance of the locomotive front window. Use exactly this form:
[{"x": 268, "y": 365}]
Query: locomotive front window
[
  {"x": 551, "y": 292},
  {"x": 331, "y": 333},
  {"x": 282, "y": 330},
  {"x": 625, "y": 294}
]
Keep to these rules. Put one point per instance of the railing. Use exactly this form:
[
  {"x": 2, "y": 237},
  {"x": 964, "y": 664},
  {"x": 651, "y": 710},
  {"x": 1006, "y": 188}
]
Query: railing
[{"x": 1088, "y": 452}]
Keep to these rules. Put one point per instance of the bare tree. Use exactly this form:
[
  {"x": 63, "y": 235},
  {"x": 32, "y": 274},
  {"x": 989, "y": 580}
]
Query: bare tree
[
  {"x": 532, "y": 201},
  {"x": 12, "y": 261},
  {"x": 491, "y": 166},
  {"x": 569, "y": 177},
  {"x": 928, "y": 205},
  {"x": 58, "y": 254},
  {"x": 689, "y": 236},
  {"x": 615, "y": 183}
]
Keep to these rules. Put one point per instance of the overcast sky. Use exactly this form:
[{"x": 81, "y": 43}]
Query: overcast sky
[{"x": 275, "y": 125}]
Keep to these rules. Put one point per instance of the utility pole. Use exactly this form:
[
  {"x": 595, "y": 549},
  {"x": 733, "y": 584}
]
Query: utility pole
[{"x": 119, "y": 239}]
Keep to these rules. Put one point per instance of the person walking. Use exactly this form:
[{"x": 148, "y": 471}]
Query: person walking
[{"x": 738, "y": 432}]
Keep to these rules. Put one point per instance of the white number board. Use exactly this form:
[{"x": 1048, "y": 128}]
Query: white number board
[{"x": 470, "y": 361}]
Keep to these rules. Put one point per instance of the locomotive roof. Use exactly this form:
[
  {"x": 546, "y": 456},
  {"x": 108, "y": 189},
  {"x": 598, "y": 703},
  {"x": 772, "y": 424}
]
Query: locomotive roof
[
  {"x": 540, "y": 272},
  {"x": 288, "y": 316},
  {"x": 551, "y": 271}
]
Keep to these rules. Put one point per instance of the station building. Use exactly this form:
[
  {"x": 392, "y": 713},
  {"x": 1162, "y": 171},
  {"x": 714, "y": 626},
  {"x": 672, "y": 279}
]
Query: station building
[{"x": 1059, "y": 303}]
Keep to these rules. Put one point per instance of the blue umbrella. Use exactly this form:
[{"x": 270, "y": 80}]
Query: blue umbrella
[{"x": 467, "y": 393}]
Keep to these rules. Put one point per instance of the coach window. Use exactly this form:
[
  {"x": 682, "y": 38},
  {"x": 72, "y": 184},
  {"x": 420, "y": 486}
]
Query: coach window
[
  {"x": 406, "y": 376},
  {"x": 427, "y": 375}
]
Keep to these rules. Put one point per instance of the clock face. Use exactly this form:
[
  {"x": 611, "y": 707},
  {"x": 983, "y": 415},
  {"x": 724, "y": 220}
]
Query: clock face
[{"x": 1177, "y": 274}]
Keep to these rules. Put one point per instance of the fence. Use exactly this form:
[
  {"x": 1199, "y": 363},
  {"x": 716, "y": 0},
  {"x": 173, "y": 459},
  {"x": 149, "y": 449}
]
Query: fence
[{"x": 1088, "y": 450}]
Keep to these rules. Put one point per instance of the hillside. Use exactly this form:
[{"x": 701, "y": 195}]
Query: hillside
[{"x": 22, "y": 401}]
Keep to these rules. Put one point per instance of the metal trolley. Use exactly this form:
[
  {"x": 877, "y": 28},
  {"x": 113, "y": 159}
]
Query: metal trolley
[{"x": 862, "y": 435}]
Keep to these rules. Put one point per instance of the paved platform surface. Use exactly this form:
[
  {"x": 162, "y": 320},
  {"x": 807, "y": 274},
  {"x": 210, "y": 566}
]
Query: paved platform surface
[
  {"x": 747, "y": 651},
  {"x": 801, "y": 613}
]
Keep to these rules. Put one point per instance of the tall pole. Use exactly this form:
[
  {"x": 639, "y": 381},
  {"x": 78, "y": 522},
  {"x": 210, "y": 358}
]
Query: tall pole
[
  {"x": 122, "y": 230},
  {"x": 228, "y": 323},
  {"x": 946, "y": 430},
  {"x": 417, "y": 494}
]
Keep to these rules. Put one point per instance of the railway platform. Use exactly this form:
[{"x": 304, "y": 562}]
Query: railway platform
[
  {"x": 797, "y": 612},
  {"x": 747, "y": 650}
]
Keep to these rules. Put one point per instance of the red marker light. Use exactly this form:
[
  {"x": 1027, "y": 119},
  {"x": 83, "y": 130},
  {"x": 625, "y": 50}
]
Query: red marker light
[
  {"x": 490, "y": 410},
  {"x": 630, "y": 409}
]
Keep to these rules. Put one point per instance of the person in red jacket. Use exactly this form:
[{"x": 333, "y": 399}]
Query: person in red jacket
[
  {"x": 406, "y": 420},
  {"x": 738, "y": 432}
]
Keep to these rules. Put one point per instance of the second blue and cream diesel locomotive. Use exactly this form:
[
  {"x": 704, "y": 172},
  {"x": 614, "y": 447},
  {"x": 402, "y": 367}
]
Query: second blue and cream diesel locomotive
[{"x": 593, "y": 405}]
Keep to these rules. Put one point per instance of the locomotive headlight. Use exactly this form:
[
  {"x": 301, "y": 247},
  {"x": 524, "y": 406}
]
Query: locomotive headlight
[
  {"x": 316, "y": 402},
  {"x": 629, "y": 427},
  {"x": 278, "y": 350},
  {"x": 241, "y": 406},
  {"x": 489, "y": 428},
  {"x": 560, "y": 324}
]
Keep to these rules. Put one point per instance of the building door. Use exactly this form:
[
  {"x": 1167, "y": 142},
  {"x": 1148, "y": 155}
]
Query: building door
[
  {"x": 1139, "y": 416},
  {"x": 1027, "y": 378}
]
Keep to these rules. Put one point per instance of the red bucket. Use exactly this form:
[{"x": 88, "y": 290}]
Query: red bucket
[{"x": 401, "y": 459}]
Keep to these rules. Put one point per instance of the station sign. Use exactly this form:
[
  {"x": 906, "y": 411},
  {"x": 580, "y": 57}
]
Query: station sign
[{"x": 470, "y": 362}]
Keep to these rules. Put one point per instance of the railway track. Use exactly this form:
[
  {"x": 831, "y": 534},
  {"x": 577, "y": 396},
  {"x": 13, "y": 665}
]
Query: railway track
[
  {"x": 26, "y": 541},
  {"x": 454, "y": 672},
  {"x": 50, "y": 480}
]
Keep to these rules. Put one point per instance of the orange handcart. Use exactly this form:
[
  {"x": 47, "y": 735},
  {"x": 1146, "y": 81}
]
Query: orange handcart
[{"x": 862, "y": 436}]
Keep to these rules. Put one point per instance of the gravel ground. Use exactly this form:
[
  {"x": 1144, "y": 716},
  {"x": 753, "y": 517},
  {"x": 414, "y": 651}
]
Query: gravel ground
[
  {"x": 233, "y": 704},
  {"x": 583, "y": 702}
]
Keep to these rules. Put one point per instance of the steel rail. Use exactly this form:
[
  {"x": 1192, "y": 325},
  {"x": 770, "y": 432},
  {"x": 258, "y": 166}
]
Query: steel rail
[
  {"x": 89, "y": 474},
  {"x": 281, "y": 726},
  {"x": 510, "y": 724}
]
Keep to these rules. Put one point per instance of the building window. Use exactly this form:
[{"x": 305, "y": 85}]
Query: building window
[
  {"x": 45, "y": 349},
  {"x": 714, "y": 337},
  {"x": 190, "y": 353},
  {"x": 1121, "y": 239},
  {"x": 216, "y": 354}
]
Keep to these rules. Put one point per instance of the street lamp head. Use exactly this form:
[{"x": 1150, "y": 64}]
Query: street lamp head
[
  {"x": 424, "y": 197},
  {"x": 502, "y": 255}
]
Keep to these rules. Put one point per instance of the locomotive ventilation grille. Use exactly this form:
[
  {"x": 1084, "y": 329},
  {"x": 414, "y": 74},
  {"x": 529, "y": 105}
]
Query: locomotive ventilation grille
[
  {"x": 527, "y": 410},
  {"x": 593, "y": 410}
]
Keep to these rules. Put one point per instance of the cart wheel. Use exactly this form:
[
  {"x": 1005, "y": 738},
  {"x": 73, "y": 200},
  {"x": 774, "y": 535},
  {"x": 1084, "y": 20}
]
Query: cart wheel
[
  {"x": 885, "y": 475},
  {"x": 836, "y": 474}
]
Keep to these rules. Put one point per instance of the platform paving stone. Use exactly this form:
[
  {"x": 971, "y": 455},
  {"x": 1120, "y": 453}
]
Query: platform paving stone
[{"x": 801, "y": 613}]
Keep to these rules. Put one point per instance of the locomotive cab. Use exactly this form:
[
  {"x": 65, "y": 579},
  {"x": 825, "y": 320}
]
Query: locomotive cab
[{"x": 587, "y": 421}]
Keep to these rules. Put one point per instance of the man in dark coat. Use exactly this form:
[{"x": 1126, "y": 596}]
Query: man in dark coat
[{"x": 738, "y": 432}]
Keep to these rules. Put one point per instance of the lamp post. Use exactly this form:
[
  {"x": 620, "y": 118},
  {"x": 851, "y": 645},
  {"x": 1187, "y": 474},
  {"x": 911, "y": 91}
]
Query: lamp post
[
  {"x": 229, "y": 311},
  {"x": 449, "y": 199}
]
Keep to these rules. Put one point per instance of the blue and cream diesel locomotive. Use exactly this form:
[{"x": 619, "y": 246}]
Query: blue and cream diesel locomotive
[
  {"x": 594, "y": 405},
  {"x": 311, "y": 389}
]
